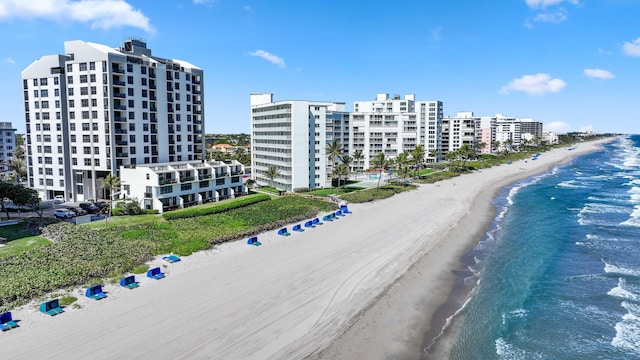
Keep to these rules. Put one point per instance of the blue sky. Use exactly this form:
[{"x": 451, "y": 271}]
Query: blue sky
[{"x": 571, "y": 64}]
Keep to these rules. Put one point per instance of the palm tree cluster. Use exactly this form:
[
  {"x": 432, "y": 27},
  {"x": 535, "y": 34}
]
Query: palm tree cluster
[
  {"x": 462, "y": 155},
  {"x": 341, "y": 163}
]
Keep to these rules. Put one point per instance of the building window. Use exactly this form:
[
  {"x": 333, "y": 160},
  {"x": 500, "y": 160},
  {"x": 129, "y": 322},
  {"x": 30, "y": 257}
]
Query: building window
[{"x": 83, "y": 66}]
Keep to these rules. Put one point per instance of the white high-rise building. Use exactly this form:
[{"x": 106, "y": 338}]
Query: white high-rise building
[
  {"x": 95, "y": 108},
  {"x": 391, "y": 125},
  {"x": 292, "y": 136},
  {"x": 458, "y": 131},
  {"x": 7, "y": 147}
]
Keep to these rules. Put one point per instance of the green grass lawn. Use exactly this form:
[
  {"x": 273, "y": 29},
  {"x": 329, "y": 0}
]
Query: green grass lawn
[
  {"x": 116, "y": 221},
  {"x": 19, "y": 239}
]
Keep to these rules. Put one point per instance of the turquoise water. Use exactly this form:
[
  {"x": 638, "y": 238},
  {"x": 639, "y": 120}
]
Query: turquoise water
[{"x": 559, "y": 272}]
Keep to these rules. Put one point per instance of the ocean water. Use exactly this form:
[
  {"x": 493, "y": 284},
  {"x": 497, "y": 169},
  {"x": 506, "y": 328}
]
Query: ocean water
[{"x": 558, "y": 274}]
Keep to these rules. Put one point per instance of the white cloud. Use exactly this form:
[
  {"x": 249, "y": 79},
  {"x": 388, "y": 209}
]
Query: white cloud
[
  {"x": 586, "y": 128},
  {"x": 9, "y": 60},
  {"x": 599, "y": 74},
  {"x": 557, "y": 127},
  {"x": 632, "y": 48},
  {"x": 537, "y": 84},
  {"x": 554, "y": 17},
  {"x": 101, "y": 14},
  {"x": 537, "y": 4},
  {"x": 274, "y": 59}
]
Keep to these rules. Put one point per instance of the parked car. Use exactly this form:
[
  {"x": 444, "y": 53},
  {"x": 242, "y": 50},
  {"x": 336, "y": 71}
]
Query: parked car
[
  {"x": 89, "y": 208},
  {"x": 63, "y": 213},
  {"x": 58, "y": 199},
  {"x": 101, "y": 205},
  {"x": 78, "y": 211}
]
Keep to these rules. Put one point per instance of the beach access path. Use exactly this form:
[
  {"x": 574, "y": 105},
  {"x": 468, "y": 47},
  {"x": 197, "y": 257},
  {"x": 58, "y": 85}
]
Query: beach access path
[{"x": 293, "y": 296}]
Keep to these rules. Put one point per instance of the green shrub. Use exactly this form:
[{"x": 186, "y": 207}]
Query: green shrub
[
  {"x": 215, "y": 208},
  {"x": 67, "y": 300},
  {"x": 140, "y": 269},
  {"x": 151, "y": 211}
]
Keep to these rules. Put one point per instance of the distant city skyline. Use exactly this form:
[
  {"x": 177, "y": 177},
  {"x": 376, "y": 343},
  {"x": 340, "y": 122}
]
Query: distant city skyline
[{"x": 570, "y": 64}]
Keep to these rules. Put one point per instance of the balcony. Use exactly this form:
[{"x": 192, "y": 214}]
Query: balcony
[
  {"x": 122, "y": 154},
  {"x": 197, "y": 102},
  {"x": 155, "y": 152},
  {"x": 154, "y": 131},
  {"x": 196, "y": 92},
  {"x": 119, "y": 107},
  {"x": 205, "y": 177},
  {"x": 186, "y": 178},
  {"x": 121, "y": 142},
  {"x": 148, "y": 195},
  {"x": 120, "y": 95},
  {"x": 167, "y": 181},
  {"x": 119, "y": 83},
  {"x": 117, "y": 70},
  {"x": 194, "y": 81},
  {"x": 119, "y": 119},
  {"x": 120, "y": 131}
]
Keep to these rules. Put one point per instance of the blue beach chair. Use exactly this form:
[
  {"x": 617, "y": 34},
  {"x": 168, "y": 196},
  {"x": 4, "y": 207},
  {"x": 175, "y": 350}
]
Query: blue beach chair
[
  {"x": 171, "y": 258},
  {"x": 155, "y": 273},
  {"x": 51, "y": 307},
  {"x": 95, "y": 292},
  {"x": 254, "y": 241},
  {"x": 6, "y": 321},
  {"x": 284, "y": 232},
  {"x": 345, "y": 209},
  {"x": 309, "y": 224},
  {"x": 129, "y": 282},
  {"x": 297, "y": 228},
  {"x": 317, "y": 221}
]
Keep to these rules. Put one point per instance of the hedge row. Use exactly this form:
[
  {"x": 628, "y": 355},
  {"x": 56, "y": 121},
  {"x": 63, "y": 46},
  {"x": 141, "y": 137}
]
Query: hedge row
[{"x": 216, "y": 208}]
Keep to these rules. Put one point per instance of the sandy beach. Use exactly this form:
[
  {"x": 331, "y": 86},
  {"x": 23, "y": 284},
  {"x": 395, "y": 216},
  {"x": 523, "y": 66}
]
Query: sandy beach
[{"x": 366, "y": 286}]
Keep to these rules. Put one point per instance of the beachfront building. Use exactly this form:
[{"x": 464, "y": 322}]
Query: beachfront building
[
  {"x": 512, "y": 133},
  {"x": 7, "y": 148},
  {"x": 96, "y": 108},
  {"x": 167, "y": 186},
  {"x": 458, "y": 131},
  {"x": 550, "y": 137},
  {"x": 292, "y": 137},
  {"x": 392, "y": 125}
]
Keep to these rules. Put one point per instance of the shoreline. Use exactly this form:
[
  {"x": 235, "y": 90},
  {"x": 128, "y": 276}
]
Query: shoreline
[
  {"x": 437, "y": 324},
  {"x": 364, "y": 286}
]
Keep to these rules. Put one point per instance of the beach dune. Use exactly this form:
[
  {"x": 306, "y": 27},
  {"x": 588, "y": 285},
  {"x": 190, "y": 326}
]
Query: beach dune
[{"x": 364, "y": 286}]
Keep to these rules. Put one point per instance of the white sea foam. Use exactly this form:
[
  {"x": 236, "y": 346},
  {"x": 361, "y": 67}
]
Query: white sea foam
[
  {"x": 507, "y": 351},
  {"x": 447, "y": 323},
  {"x": 515, "y": 314},
  {"x": 628, "y": 330},
  {"x": 571, "y": 184},
  {"x": 621, "y": 270},
  {"x": 621, "y": 292},
  {"x": 634, "y": 218}
]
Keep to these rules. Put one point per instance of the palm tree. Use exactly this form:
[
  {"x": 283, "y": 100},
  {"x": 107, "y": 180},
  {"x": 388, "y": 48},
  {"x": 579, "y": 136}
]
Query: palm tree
[
  {"x": 508, "y": 144},
  {"x": 272, "y": 173},
  {"x": 347, "y": 160},
  {"x": 19, "y": 166},
  {"x": 110, "y": 183},
  {"x": 334, "y": 149},
  {"x": 381, "y": 163},
  {"x": 480, "y": 147},
  {"x": 465, "y": 152},
  {"x": 341, "y": 170},
  {"x": 357, "y": 156},
  {"x": 417, "y": 155},
  {"x": 403, "y": 172},
  {"x": 434, "y": 155}
]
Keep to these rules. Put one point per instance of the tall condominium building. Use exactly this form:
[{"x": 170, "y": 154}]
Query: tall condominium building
[
  {"x": 7, "y": 147},
  {"x": 511, "y": 132},
  {"x": 457, "y": 131},
  {"x": 391, "y": 125},
  {"x": 292, "y": 136},
  {"x": 96, "y": 108}
]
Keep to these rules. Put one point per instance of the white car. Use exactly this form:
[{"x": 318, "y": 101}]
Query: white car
[
  {"x": 58, "y": 199},
  {"x": 63, "y": 213}
]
